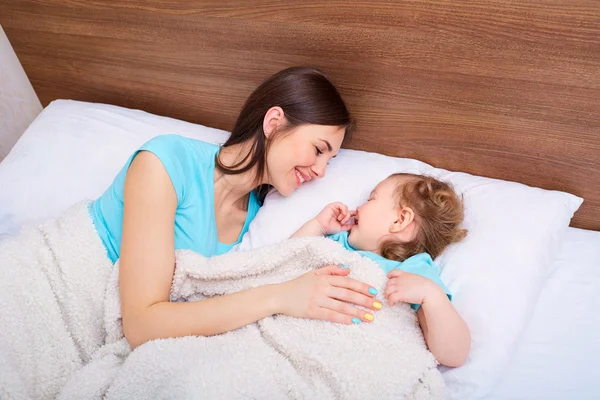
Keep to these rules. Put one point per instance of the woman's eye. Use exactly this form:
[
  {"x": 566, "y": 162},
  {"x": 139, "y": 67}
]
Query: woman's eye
[{"x": 319, "y": 152}]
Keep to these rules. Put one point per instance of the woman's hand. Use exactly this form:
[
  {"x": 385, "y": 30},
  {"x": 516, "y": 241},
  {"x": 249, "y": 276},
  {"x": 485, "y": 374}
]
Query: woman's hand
[
  {"x": 334, "y": 218},
  {"x": 325, "y": 294}
]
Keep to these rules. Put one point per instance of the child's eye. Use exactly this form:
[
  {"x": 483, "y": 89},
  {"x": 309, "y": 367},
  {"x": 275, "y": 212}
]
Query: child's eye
[{"x": 319, "y": 151}]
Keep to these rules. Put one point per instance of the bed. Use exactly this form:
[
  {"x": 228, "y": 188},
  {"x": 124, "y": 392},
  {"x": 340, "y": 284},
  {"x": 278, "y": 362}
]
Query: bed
[
  {"x": 562, "y": 341},
  {"x": 507, "y": 90}
]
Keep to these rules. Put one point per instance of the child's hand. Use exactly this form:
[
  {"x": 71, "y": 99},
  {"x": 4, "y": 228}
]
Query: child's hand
[
  {"x": 409, "y": 288},
  {"x": 334, "y": 218}
]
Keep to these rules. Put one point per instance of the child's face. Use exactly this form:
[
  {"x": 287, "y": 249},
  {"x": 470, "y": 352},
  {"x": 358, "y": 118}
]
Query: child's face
[{"x": 375, "y": 217}]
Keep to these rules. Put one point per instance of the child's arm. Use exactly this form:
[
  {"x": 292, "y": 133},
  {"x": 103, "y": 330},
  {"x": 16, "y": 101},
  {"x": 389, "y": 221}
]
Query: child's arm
[
  {"x": 311, "y": 228},
  {"x": 332, "y": 219},
  {"x": 446, "y": 333}
]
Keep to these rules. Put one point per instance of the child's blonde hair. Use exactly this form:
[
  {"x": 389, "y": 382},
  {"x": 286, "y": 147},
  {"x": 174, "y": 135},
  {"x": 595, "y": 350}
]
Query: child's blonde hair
[{"x": 438, "y": 213}]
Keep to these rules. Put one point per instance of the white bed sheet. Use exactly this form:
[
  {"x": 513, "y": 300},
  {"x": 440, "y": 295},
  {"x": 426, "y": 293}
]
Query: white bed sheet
[{"x": 557, "y": 356}]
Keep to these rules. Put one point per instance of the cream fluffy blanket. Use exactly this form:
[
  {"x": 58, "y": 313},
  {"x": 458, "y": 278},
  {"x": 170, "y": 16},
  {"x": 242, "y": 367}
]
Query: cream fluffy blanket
[{"x": 62, "y": 337}]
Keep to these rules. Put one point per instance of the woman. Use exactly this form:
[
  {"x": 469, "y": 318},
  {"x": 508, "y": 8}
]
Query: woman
[{"x": 177, "y": 193}]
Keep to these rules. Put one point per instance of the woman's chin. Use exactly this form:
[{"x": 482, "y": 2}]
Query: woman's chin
[{"x": 286, "y": 190}]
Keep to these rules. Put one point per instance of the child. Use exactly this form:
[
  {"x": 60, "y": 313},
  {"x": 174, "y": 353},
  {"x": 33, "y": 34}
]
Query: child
[{"x": 407, "y": 220}]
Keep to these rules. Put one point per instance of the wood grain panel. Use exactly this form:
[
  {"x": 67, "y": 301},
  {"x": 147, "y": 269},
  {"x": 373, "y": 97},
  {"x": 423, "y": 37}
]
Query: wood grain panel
[{"x": 506, "y": 89}]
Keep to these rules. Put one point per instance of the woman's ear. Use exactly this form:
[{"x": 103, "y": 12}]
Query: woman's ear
[
  {"x": 274, "y": 118},
  {"x": 405, "y": 217}
]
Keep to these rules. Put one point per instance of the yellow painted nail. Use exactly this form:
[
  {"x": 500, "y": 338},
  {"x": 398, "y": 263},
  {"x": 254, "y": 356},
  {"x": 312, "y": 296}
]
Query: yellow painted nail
[
  {"x": 369, "y": 317},
  {"x": 377, "y": 305}
]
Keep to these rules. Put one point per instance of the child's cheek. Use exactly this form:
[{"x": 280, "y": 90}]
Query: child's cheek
[{"x": 353, "y": 238}]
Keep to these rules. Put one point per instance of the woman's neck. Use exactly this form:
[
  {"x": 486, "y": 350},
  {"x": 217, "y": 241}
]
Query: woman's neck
[{"x": 231, "y": 191}]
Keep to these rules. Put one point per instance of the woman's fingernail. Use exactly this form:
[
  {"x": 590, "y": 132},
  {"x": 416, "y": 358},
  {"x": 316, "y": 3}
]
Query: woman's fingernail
[
  {"x": 373, "y": 291},
  {"x": 377, "y": 305},
  {"x": 369, "y": 317},
  {"x": 356, "y": 321},
  {"x": 344, "y": 267}
]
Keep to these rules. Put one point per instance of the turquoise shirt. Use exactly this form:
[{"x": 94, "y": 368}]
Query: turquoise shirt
[
  {"x": 190, "y": 164},
  {"x": 419, "y": 264}
]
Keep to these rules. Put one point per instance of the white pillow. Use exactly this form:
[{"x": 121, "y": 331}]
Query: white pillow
[
  {"x": 72, "y": 151},
  {"x": 496, "y": 274}
]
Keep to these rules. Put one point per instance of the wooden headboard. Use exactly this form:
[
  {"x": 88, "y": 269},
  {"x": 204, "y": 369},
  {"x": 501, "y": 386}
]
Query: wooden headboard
[{"x": 502, "y": 88}]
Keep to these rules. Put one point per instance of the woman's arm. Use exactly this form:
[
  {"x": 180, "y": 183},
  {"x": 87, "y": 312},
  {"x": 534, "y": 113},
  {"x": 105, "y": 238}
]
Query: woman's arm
[
  {"x": 148, "y": 260},
  {"x": 446, "y": 333}
]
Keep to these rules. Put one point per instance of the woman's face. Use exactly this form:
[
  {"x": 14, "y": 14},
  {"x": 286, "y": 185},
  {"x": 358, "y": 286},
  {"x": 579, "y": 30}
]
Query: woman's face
[{"x": 301, "y": 154}]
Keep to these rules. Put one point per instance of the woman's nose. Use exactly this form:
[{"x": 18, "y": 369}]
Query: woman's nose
[{"x": 319, "y": 169}]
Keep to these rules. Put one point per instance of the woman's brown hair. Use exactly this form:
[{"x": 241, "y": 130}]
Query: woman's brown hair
[
  {"x": 305, "y": 95},
  {"x": 438, "y": 212}
]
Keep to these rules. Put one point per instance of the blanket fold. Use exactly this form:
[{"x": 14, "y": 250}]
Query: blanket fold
[{"x": 52, "y": 286}]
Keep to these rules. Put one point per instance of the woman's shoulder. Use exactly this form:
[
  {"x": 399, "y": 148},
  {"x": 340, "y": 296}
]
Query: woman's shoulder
[
  {"x": 178, "y": 143},
  {"x": 182, "y": 150},
  {"x": 187, "y": 161}
]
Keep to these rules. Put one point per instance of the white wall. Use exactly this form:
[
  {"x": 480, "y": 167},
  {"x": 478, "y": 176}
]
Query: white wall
[{"x": 19, "y": 104}]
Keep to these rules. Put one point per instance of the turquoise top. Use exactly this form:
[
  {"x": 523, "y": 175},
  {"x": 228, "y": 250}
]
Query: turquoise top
[
  {"x": 419, "y": 264},
  {"x": 190, "y": 164}
]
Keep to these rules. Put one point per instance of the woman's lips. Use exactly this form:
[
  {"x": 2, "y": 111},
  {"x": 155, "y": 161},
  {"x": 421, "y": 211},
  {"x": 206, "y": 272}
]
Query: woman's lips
[{"x": 300, "y": 177}]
